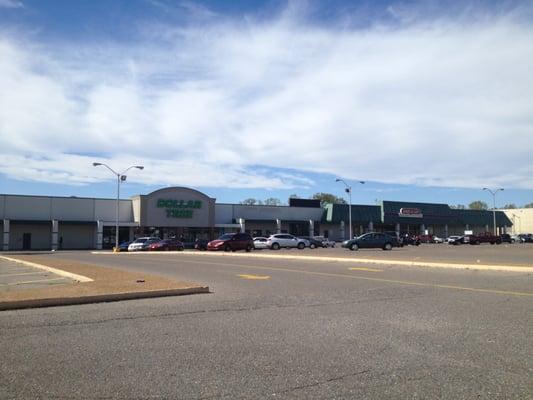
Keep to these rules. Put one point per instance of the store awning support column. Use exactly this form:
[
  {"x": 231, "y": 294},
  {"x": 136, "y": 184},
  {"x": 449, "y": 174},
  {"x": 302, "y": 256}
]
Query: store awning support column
[
  {"x": 99, "y": 234},
  {"x": 311, "y": 228},
  {"x": 278, "y": 225},
  {"x": 5, "y": 240},
  {"x": 55, "y": 232}
]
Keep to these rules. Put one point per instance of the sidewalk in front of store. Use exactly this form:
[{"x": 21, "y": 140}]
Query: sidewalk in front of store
[{"x": 84, "y": 284}]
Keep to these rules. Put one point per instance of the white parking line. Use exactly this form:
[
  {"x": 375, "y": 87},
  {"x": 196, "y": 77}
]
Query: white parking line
[
  {"x": 28, "y": 282},
  {"x": 25, "y": 273}
]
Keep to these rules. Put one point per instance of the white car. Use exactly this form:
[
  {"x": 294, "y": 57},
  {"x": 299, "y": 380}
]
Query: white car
[
  {"x": 260, "y": 243},
  {"x": 275, "y": 242},
  {"x": 325, "y": 241},
  {"x": 142, "y": 243},
  {"x": 452, "y": 239},
  {"x": 437, "y": 239}
]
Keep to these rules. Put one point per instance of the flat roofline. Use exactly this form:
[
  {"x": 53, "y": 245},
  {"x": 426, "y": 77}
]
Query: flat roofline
[{"x": 61, "y": 197}]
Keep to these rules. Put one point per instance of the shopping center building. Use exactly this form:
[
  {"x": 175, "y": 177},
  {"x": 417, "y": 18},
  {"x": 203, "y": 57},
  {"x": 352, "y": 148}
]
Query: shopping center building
[{"x": 48, "y": 222}]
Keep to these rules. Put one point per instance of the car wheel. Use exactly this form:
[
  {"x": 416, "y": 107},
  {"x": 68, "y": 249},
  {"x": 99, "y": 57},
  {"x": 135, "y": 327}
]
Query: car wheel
[
  {"x": 275, "y": 246},
  {"x": 301, "y": 246},
  {"x": 248, "y": 248},
  {"x": 387, "y": 246},
  {"x": 312, "y": 246},
  {"x": 227, "y": 248},
  {"x": 181, "y": 248},
  {"x": 476, "y": 242},
  {"x": 354, "y": 247}
]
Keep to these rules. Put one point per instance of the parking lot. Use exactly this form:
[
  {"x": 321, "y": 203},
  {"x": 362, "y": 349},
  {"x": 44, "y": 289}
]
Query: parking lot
[{"x": 284, "y": 328}]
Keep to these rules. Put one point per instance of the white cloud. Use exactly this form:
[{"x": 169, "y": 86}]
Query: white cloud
[
  {"x": 11, "y": 4},
  {"x": 441, "y": 103}
]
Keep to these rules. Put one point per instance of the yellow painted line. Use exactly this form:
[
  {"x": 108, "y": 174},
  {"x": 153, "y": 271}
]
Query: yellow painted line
[
  {"x": 366, "y": 278},
  {"x": 254, "y": 277},
  {"x": 365, "y": 269},
  {"x": 407, "y": 263}
]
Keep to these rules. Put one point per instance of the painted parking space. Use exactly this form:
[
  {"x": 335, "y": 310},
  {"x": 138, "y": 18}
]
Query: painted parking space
[{"x": 17, "y": 276}]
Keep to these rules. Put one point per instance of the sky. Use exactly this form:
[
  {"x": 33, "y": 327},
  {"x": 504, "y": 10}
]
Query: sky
[{"x": 423, "y": 100}]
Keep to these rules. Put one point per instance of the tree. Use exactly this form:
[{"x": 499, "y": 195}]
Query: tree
[
  {"x": 529, "y": 205},
  {"x": 510, "y": 206},
  {"x": 458, "y": 207},
  {"x": 272, "y": 201},
  {"x": 294, "y": 196},
  {"x": 478, "y": 205},
  {"x": 328, "y": 198},
  {"x": 250, "y": 202}
]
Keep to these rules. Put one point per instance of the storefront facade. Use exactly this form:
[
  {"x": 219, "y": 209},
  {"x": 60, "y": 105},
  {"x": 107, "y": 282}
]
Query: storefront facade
[{"x": 41, "y": 222}]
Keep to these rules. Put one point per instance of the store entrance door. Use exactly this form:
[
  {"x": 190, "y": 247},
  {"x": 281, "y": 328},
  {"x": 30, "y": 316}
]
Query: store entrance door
[{"x": 26, "y": 241}]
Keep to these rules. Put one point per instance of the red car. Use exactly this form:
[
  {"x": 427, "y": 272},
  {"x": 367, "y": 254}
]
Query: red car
[
  {"x": 232, "y": 242},
  {"x": 167, "y": 245}
]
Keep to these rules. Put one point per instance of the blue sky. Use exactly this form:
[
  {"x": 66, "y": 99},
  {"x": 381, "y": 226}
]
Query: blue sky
[{"x": 423, "y": 101}]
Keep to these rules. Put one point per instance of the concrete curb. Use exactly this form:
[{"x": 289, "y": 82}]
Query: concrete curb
[
  {"x": 76, "y": 277},
  {"x": 67, "y": 301},
  {"x": 479, "y": 267}
]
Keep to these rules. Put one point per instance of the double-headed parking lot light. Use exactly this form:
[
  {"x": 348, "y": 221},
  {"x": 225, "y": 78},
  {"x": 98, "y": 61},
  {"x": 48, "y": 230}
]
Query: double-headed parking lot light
[
  {"x": 349, "y": 191},
  {"x": 120, "y": 178},
  {"x": 493, "y": 193}
]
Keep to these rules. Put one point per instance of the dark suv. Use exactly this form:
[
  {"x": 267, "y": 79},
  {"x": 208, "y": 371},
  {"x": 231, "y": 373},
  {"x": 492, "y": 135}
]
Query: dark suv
[{"x": 232, "y": 242}]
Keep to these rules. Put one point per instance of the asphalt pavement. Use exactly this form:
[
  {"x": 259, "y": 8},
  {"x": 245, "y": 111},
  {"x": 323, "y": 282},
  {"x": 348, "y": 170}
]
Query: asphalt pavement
[{"x": 289, "y": 329}]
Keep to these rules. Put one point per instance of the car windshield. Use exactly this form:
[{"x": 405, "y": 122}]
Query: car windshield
[
  {"x": 141, "y": 240},
  {"x": 227, "y": 236}
]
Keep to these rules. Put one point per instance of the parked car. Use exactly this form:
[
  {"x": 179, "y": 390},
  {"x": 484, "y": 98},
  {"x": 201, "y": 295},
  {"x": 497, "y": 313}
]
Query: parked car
[
  {"x": 410, "y": 240},
  {"x": 396, "y": 235},
  {"x": 201, "y": 244},
  {"x": 142, "y": 243},
  {"x": 372, "y": 241},
  {"x": 277, "y": 241},
  {"x": 260, "y": 242},
  {"x": 526, "y": 237},
  {"x": 506, "y": 238},
  {"x": 123, "y": 246},
  {"x": 232, "y": 242},
  {"x": 437, "y": 239},
  {"x": 313, "y": 242},
  {"x": 325, "y": 241},
  {"x": 425, "y": 238},
  {"x": 454, "y": 239},
  {"x": 167, "y": 245},
  {"x": 485, "y": 237}
]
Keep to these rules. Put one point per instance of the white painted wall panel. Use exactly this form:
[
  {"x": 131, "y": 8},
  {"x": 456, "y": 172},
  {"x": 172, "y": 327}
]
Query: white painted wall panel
[
  {"x": 72, "y": 209},
  {"x": 77, "y": 236},
  {"x": 104, "y": 210},
  {"x": 28, "y": 208}
]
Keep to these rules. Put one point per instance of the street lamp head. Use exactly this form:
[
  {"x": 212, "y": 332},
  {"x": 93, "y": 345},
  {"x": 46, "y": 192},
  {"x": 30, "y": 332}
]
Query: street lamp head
[
  {"x": 139, "y": 167},
  {"x": 96, "y": 164},
  {"x": 362, "y": 182},
  {"x": 485, "y": 188},
  {"x": 337, "y": 180}
]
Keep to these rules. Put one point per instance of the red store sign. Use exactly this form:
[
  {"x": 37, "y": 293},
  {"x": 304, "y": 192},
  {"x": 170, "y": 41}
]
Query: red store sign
[{"x": 410, "y": 212}]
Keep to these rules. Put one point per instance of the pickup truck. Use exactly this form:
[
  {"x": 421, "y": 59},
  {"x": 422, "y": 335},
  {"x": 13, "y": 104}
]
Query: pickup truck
[{"x": 485, "y": 237}]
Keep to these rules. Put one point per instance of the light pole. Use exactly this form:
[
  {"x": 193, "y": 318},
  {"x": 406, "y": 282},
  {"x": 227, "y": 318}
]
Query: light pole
[
  {"x": 120, "y": 178},
  {"x": 349, "y": 191},
  {"x": 493, "y": 193}
]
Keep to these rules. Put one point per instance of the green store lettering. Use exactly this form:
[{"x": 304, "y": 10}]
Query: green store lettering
[{"x": 179, "y": 208}]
